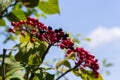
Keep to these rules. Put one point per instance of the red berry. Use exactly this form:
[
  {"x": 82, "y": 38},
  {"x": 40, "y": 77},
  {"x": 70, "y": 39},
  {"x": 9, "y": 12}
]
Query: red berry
[
  {"x": 62, "y": 46},
  {"x": 17, "y": 24},
  {"x": 22, "y": 22},
  {"x": 28, "y": 18},
  {"x": 32, "y": 40},
  {"x": 13, "y": 23},
  {"x": 55, "y": 40},
  {"x": 22, "y": 33},
  {"x": 34, "y": 30},
  {"x": 11, "y": 30}
]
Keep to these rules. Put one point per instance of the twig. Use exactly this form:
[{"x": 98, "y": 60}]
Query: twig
[
  {"x": 66, "y": 72},
  {"x": 43, "y": 57},
  {"x": 32, "y": 76},
  {"x": 3, "y": 64}
]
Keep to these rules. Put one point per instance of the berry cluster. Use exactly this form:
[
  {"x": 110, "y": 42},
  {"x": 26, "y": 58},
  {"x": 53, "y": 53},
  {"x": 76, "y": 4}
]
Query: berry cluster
[
  {"x": 37, "y": 30},
  {"x": 85, "y": 59}
]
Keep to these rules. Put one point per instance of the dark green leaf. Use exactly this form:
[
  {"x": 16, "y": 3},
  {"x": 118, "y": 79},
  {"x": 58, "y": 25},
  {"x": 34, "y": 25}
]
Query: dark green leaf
[
  {"x": 30, "y": 3},
  {"x": 16, "y": 15},
  {"x": 2, "y": 22},
  {"x": 49, "y": 7},
  {"x": 42, "y": 75}
]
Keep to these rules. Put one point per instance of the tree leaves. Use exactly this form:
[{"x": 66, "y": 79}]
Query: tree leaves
[
  {"x": 89, "y": 75},
  {"x": 49, "y": 7},
  {"x": 11, "y": 67},
  {"x": 30, "y": 3},
  {"x": 86, "y": 74},
  {"x": 41, "y": 74},
  {"x": 30, "y": 53},
  {"x": 63, "y": 62},
  {"x": 2, "y": 22},
  {"x": 16, "y": 15},
  {"x": 24, "y": 38}
]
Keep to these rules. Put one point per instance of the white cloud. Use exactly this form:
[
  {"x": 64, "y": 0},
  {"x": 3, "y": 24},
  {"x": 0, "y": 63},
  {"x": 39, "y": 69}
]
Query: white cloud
[{"x": 102, "y": 35}]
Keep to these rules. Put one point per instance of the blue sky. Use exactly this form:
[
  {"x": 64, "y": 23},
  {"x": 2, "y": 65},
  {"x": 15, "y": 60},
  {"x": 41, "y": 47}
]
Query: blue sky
[{"x": 97, "y": 19}]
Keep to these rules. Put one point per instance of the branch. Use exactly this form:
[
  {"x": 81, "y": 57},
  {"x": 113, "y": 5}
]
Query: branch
[
  {"x": 3, "y": 64},
  {"x": 43, "y": 57},
  {"x": 66, "y": 72}
]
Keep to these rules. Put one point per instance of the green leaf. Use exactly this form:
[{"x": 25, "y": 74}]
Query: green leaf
[
  {"x": 16, "y": 15},
  {"x": 14, "y": 78},
  {"x": 18, "y": 6},
  {"x": 89, "y": 75},
  {"x": 49, "y": 7},
  {"x": 63, "y": 62},
  {"x": 34, "y": 59},
  {"x": 10, "y": 37},
  {"x": 4, "y": 4},
  {"x": 30, "y": 3},
  {"x": 24, "y": 38},
  {"x": 2, "y": 22},
  {"x": 104, "y": 62},
  {"x": 76, "y": 40},
  {"x": 109, "y": 65},
  {"x": 72, "y": 56},
  {"x": 11, "y": 66},
  {"x": 77, "y": 72},
  {"x": 42, "y": 75},
  {"x": 31, "y": 53},
  {"x": 0, "y": 77},
  {"x": 87, "y": 39}
]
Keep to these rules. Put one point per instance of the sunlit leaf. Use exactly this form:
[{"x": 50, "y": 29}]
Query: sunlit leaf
[
  {"x": 89, "y": 75},
  {"x": 18, "y": 6},
  {"x": 71, "y": 56},
  {"x": 49, "y": 7},
  {"x": 4, "y": 4},
  {"x": 11, "y": 66},
  {"x": 63, "y": 62},
  {"x": 24, "y": 38},
  {"x": 76, "y": 72},
  {"x": 30, "y": 53},
  {"x": 87, "y": 39}
]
